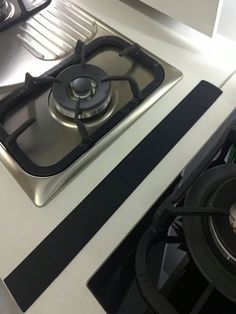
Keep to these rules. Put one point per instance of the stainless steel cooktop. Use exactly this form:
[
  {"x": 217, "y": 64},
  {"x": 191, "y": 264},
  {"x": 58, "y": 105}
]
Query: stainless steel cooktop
[
  {"x": 49, "y": 35},
  {"x": 16, "y": 11},
  {"x": 57, "y": 146}
]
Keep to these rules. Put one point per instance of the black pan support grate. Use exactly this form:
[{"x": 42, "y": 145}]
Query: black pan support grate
[
  {"x": 35, "y": 86},
  {"x": 165, "y": 217}
]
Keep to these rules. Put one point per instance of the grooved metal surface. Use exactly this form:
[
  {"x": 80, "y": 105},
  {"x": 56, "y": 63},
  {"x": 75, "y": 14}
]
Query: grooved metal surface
[{"x": 52, "y": 33}]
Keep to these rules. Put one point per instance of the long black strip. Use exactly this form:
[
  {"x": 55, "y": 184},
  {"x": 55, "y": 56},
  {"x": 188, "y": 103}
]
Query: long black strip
[{"x": 37, "y": 271}]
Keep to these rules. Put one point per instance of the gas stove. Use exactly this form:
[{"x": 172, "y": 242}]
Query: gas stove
[{"x": 54, "y": 125}]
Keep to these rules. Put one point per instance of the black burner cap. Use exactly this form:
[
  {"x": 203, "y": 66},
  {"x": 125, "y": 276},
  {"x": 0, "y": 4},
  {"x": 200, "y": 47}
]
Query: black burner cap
[{"x": 81, "y": 85}]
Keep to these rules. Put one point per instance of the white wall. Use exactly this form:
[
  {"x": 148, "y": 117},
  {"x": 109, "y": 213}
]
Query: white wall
[
  {"x": 200, "y": 14},
  {"x": 227, "y": 23}
]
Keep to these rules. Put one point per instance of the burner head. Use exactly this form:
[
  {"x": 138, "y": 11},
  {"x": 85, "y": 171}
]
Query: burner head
[
  {"x": 81, "y": 85},
  {"x": 82, "y": 88}
]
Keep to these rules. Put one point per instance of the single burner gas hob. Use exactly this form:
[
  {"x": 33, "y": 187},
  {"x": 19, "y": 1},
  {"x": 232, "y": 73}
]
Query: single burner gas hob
[{"x": 57, "y": 123}]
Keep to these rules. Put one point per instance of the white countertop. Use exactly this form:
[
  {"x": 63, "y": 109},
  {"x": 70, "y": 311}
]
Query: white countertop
[{"x": 23, "y": 226}]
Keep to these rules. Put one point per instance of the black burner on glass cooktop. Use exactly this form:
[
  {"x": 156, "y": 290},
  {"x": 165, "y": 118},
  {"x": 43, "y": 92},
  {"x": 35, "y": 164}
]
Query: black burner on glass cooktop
[{"x": 180, "y": 258}]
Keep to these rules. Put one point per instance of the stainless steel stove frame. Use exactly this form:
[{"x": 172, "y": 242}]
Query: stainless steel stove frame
[{"x": 42, "y": 183}]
